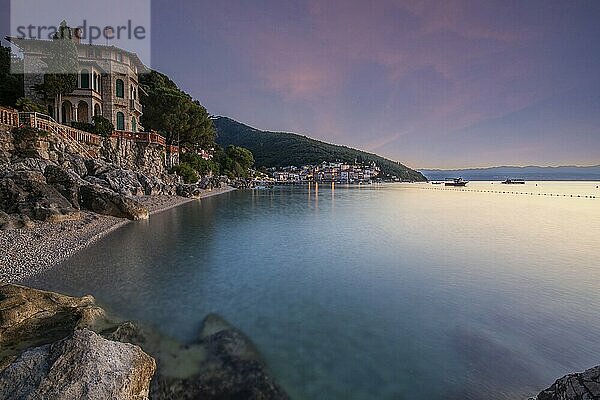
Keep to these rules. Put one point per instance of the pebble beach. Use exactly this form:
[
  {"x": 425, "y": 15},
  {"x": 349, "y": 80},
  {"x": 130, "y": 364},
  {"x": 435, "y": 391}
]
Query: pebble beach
[{"x": 26, "y": 252}]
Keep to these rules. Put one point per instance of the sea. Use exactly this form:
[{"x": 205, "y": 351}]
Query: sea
[{"x": 383, "y": 291}]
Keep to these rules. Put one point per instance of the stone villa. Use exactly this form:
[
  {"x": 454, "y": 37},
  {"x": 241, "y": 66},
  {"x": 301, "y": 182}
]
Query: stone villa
[{"x": 107, "y": 83}]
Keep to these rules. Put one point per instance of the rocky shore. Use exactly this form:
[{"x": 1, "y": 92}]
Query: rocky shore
[{"x": 54, "y": 346}]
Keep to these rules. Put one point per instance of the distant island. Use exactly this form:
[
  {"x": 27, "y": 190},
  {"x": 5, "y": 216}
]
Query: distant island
[
  {"x": 281, "y": 149},
  {"x": 532, "y": 173}
]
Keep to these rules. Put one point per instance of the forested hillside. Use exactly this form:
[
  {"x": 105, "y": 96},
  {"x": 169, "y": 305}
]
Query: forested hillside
[{"x": 276, "y": 149}]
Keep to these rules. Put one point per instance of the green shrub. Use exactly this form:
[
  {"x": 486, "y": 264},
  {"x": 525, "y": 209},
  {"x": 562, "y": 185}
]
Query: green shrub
[
  {"x": 187, "y": 172},
  {"x": 202, "y": 166},
  {"x": 103, "y": 126},
  {"x": 26, "y": 105},
  {"x": 84, "y": 126}
]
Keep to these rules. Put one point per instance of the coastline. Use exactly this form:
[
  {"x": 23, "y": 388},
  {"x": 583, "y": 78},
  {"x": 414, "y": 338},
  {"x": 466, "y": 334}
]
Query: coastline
[{"x": 26, "y": 252}]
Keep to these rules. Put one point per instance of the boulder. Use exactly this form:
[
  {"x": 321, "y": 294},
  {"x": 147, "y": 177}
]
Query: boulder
[
  {"x": 14, "y": 221},
  {"x": 81, "y": 366},
  {"x": 30, "y": 317},
  {"x": 232, "y": 369},
  {"x": 580, "y": 386},
  {"x": 189, "y": 190},
  {"x": 97, "y": 167},
  {"x": 103, "y": 201},
  {"x": 31, "y": 164},
  {"x": 28, "y": 193},
  {"x": 65, "y": 181},
  {"x": 123, "y": 181}
]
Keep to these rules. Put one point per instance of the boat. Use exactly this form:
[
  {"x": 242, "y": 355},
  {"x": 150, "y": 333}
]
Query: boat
[
  {"x": 514, "y": 182},
  {"x": 436, "y": 183},
  {"x": 459, "y": 182}
]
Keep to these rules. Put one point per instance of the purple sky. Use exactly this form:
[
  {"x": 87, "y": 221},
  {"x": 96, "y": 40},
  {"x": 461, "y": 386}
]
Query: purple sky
[{"x": 430, "y": 83}]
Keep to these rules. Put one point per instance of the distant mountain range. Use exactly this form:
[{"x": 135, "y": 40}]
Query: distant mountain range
[
  {"x": 280, "y": 149},
  {"x": 532, "y": 173}
]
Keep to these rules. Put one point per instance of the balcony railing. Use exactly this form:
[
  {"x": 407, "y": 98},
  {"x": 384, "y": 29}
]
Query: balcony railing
[
  {"x": 135, "y": 105},
  {"x": 9, "y": 117}
]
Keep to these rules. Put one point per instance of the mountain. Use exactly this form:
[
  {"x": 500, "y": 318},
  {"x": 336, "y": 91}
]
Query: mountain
[
  {"x": 280, "y": 149},
  {"x": 532, "y": 173}
]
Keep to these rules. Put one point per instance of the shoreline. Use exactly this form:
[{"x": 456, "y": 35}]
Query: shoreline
[{"x": 26, "y": 252}]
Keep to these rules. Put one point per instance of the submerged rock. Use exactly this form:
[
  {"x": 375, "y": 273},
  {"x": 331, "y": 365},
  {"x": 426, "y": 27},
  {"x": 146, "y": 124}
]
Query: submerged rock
[
  {"x": 82, "y": 366},
  {"x": 580, "y": 386},
  {"x": 231, "y": 369},
  {"x": 48, "y": 350}
]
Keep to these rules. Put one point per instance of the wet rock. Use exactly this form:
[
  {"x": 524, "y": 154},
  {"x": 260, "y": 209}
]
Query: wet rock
[
  {"x": 30, "y": 317},
  {"x": 103, "y": 201},
  {"x": 82, "y": 366},
  {"x": 232, "y": 369},
  {"x": 580, "y": 386}
]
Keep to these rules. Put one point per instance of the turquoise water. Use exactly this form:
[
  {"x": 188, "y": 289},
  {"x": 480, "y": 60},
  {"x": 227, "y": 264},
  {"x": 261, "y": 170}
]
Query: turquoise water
[{"x": 376, "y": 292}]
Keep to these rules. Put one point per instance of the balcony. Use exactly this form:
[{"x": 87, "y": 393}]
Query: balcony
[{"x": 135, "y": 106}]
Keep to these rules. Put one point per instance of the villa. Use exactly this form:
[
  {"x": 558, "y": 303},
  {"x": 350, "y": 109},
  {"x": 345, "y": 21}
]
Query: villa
[{"x": 107, "y": 83}]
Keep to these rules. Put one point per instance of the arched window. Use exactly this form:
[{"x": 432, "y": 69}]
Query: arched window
[
  {"x": 97, "y": 110},
  {"x": 120, "y": 89},
  {"x": 133, "y": 125},
  {"x": 120, "y": 121},
  {"x": 85, "y": 79}
]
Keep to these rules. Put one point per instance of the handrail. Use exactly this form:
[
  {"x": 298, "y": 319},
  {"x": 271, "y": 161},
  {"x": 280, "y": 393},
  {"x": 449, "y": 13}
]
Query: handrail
[
  {"x": 9, "y": 117},
  {"x": 48, "y": 124}
]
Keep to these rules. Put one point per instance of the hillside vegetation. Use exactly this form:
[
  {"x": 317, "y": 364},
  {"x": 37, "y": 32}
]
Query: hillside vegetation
[{"x": 278, "y": 149}]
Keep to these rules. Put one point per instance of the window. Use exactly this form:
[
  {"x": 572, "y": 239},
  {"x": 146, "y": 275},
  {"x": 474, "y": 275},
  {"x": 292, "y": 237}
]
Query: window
[
  {"x": 133, "y": 125},
  {"x": 85, "y": 79},
  {"x": 120, "y": 121},
  {"x": 120, "y": 89}
]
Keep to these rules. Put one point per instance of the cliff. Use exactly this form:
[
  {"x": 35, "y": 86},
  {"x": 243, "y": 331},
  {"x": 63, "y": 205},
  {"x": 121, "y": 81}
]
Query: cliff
[{"x": 47, "y": 177}]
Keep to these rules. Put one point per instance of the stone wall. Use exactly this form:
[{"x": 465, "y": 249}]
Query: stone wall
[
  {"x": 147, "y": 158},
  {"x": 7, "y": 146}
]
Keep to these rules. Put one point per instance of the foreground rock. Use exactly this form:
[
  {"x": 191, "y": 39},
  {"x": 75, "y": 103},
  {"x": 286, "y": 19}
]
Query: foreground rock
[
  {"x": 59, "y": 347},
  {"x": 30, "y": 318},
  {"x": 580, "y": 386},
  {"x": 82, "y": 366}
]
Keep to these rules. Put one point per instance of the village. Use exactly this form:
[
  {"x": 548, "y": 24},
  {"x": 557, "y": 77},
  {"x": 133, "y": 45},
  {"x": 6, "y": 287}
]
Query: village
[{"x": 338, "y": 172}]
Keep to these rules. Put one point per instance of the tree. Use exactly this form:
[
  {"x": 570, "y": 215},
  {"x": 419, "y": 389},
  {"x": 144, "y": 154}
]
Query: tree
[
  {"x": 175, "y": 114},
  {"x": 235, "y": 161},
  {"x": 102, "y": 126},
  {"x": 27, "y": 105},
  {"x": 62, "y": 66},
  {"x": 11, "y": 84}
]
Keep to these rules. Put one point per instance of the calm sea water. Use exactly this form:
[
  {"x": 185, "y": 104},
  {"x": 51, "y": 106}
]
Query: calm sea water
[{"x": 378, "y": 292}]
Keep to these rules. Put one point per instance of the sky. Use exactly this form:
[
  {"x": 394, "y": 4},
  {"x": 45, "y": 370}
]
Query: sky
[{"x": 433, "y": 84}]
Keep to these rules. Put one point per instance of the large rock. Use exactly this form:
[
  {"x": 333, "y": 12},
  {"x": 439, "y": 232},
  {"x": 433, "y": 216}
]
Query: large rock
[
  {"x": 30, "y": 317},
  {"x": 231, "y": 369},
  {"x": 580, "y": 386},
  {"x": 65, "y": 181},
  {"x": 82, "y": 366},
  {"x": 28, "y": 193},
  {"x": 104, "y": 201},
  {"x": 123, "y": 181}
]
